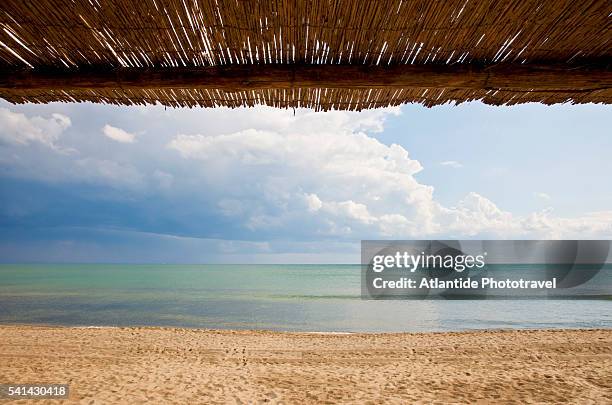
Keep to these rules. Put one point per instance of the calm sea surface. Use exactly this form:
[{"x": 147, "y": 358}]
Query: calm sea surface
[{"x": 277, "y": 297}]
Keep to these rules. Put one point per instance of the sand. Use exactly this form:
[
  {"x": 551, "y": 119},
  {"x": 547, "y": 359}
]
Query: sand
[{"x": 163, "y": 365}]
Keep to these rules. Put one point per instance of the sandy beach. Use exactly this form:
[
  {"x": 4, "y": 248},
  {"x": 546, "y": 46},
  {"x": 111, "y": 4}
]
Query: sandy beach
[{"x": 161, "y": 365}]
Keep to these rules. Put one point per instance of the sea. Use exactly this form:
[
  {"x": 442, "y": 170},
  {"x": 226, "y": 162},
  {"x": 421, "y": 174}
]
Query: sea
[{"x": 307, "y": 298}]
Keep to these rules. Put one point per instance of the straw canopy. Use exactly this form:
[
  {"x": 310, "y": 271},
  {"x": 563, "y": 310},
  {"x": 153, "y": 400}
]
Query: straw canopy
[{"x": 322, "y": 54}]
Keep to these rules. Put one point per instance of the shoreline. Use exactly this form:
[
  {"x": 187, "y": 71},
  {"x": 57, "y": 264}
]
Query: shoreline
[
  {"x": 299, "y": 332},
  {"x": 180, "y": 365}
]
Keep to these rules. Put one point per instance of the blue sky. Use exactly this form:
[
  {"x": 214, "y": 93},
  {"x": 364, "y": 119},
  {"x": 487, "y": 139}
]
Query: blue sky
[{"x": 95, "y": 183}]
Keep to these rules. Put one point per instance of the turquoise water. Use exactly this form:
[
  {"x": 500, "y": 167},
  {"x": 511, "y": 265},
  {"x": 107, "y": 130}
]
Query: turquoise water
[{"x": 277, "y": 297}]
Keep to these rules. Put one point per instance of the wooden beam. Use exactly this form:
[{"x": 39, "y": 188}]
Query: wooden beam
[{"x": 523, "y": 77}]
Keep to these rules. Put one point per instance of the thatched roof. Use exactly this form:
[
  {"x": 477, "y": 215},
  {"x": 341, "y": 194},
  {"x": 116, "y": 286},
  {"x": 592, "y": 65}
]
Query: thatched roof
[{"x": 342, "y": 54}]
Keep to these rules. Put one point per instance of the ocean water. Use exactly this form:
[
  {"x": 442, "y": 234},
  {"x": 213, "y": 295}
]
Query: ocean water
[{"x": 323, "y": 298}]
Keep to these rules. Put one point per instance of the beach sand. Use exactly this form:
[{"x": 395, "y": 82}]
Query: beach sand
[{"x": 161, "y": 365}]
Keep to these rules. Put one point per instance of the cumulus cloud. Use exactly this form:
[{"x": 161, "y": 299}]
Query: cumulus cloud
[
  {"x": 19, "y": 129},
  {"x": 477, "y": 215},
  {"x": 325, "y": 167},
  {"x": 451, "y": 163},
  {"x": 328, "y": 175},
  {"x": 118, "y": 134},
  {"x": 265, "y": 174}
]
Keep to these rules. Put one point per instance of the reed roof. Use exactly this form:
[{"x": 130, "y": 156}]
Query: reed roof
[{"x": 305, "y": 53}]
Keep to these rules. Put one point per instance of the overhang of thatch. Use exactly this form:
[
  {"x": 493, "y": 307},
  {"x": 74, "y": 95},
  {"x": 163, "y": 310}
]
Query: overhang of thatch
[{"x": 323, "y": 54}]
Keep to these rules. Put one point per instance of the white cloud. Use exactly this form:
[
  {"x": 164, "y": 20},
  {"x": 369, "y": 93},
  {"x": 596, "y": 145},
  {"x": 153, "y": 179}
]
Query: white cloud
[
  {"x": 323, "y": 174},
  {"x": 477, "y": 215},
  {"x": 326, "y": 167},
  {"x": 451, "y": 163},
  {"x": 591, "y": 225},
  {"x": 118, "y": 134},
  {"x": 313, "y": 202},
  {"x": 18, "y": 129},
  {"x": 272, "y": 174},
  {"x": 542, "y": 196},
  {"x": 351, "y": 210}
]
